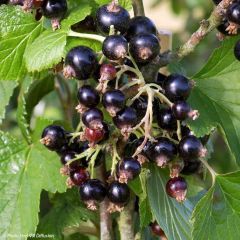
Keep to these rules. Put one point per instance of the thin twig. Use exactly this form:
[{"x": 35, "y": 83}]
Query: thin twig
[{"x": 138, "y": 7}]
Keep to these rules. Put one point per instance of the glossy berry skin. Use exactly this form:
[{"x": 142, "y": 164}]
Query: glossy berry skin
[
  {"x": 237, "y": 50},
  {"x": 69, "y": 156},
  {"x": 181, "y": 110},
  {"x": 82, "y": 60},
  {"x": 94, "y": 136},
  {"x": 115, "y": 47},
  {"x": 92, "y": 118},
  {"x": 108, "y": 15},
  {"x": 140, "y": 105},
  {"x": 54, "y": 137},
  {"x": 190, "y": 147},
  {"x": 156, "y": 229},
  {"x": 144, "y": 48},
  {"x": 107, "y": 72},
  {"x": 113, "y": 100},
  {"x": 127, "y": 117},
  {"x": 164, "y": 150},
  {"x": 118, "y": 193},
  {"x": 79, "y": 176},
  {"x": 128, "y": 169},
  {"x": 166, "y": 120},
  {"x": 177, "y": 188},
  {"x": 92, "y": 189},
  {"x": 140, "y": 25},
  {"x": 191, "y": 167},
  {"x": 233, "y": 13},
  {"x": 88, "y": 96},
  {"x": 160, "y": 79},
  {"x": 177, "y": 87},
  {"x": 54, "y": 8}
]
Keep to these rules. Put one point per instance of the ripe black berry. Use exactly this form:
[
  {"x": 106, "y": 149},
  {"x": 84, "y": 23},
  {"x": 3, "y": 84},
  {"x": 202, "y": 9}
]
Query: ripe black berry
[
  {"x": 54, "y": 8},
  {"x": 115, "y": 47},
  {"x": 125, "y": 119},
  {"x": 112, "y": 14},
  {"x": 113, "y": 101},
  {"x": 177, "y": 188},
  {"x": 140, "y": 105},
  {"x": 128, "y": 169},
  {"x": 107, "y": 72},
  {"x": 166, "y": 120},
  {"x": 156, "y": 229},
  {"x": 144, "y": 47},
  {"x": 182, "y": 111},
  {"x": 92, "y": 191},
  {"x": 118, "y": 193},
  {"x": 190, "y": 147},
  {"x": 177, "y": 87},
  {"x": 88, "y": 96},
  {"x": 54, "y": 137},
  {"x": 191, "y": 167},
  {"x": 140, "y": 25},
  {"x": 80, "y": 63},
  {"x": 237, "y": 50},
  {"x": 147, "y": 149},
  {"x": 92, "y": 118},
  {"x": 79, "y": 176},
  {"x": 233, "y": 13},
  {"x": 69, "y": 156},
  {"x": 160, "y": 79},
  {"x": 164, "y": 151}
]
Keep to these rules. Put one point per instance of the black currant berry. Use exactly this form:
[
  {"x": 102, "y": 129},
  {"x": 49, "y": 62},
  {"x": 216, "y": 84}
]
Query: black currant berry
[
  {"x": 156, "y": 229},
  {"x": 94, "y": 136},
  {"x": 86, "y": 25},
  {"x": 237, "y": 50},
  {"x": 177, "y": 188},
  {"x": 113, "y": 101},
  {"x": 140, "y": 25},
  {"x": 92, "y": 191},
  {"x": 144, "y": 47},
  {"x": 140, "y": 105},
  {"x": 125, "y": 119},
  {"x": 80, "y": 63},
  {"x": 147, "y": 149},
  {"x": 69, "y": 156},
  {"x": 54, "y": 137},
  {"x": 160, "y": 79},
  {"x": 107, "y": 72},
  {"x": 191, "y": 167},
  {"x": 118, "y": 193},
  {"x": 182, "y": 111},
  {"x": 115, "y": 47},
  {"x": 177, "y": 87},
  {"x": 128, "y": 169},
  {"x": 79, "y": 176},
  {"x": 93, "y": 118},
  {"x": 190, "y": 147},
  {"x": 88, "y": 96},
  {"x": 54, "y": 8},
  {"x": 112, "y": 14},
  {"x": 166, "y": 120},
  {"x": 164, "y": 151},
  {"x": 233, "y": 13}
]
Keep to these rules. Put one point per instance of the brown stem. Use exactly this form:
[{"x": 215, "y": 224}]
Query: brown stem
[{"x": 138, "y": 7}]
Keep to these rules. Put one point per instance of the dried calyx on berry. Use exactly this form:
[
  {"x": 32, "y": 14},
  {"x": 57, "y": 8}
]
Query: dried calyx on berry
[
  {"x": 92, "y": 192},
  {"x": 128, "y": 169},
  {"x": 182, "y": 110},
  {"x": 93, "y": 118}
]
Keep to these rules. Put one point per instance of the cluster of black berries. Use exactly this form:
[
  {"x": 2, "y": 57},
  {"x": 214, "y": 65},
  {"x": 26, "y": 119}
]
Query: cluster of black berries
[
  {"x": 116, "y": 107},
  {"x": 231, "y": 23}
]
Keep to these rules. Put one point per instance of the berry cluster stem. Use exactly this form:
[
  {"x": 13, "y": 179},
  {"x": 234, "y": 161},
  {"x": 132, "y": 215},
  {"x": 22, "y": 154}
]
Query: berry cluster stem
[
  {"x": 210, "y": 169},
  {"x": 138, "y": 7},
  {"x": 86, "y": 35}
]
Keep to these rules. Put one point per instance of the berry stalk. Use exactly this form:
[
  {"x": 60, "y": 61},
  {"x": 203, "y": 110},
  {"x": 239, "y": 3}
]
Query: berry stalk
[{"x": 138, "y": 8}]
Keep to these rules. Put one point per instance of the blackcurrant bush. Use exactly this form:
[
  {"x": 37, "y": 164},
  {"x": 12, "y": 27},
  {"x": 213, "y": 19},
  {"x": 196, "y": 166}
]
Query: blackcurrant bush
[
  {"x": 237, "y": 50},
  {"x": 107, "y": 72},
  {"x": 190, "y": 147},
  {"x": 113, "y": 101},
  {"x": 164, "y": 151},
  {"x": 140, "y": 105},
  {"x": 128, "y": 169},
  {"x": 54, "y": 8},
  {"x": 80, "y": 63},
  {"x": 112, "y": 14},
  {"x": 118, "y": 193},
  {"x": 144, "y": 47},
  {"x": 93, "y": 118},
  {"x": 177, "y": 87},
  {"x": 79, "y": 176},
  {"x": 233, "y": 13},
  {"x": 54, "y": 137},
  {"x": 156, "y": 229},
  {"x": 115, "y": 47},
  {"x": 191, "y": 167},
  {"x": 140, "y": 25},
  {"x": 88, "y": 96},
  {"x": 177, "y": 188},
  {"x": 166, "y": 120}
]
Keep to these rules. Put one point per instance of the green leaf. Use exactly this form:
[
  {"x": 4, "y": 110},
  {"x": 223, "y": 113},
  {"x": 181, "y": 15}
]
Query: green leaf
[
  {"x": 32, "y": 91},
  {"x": 66, "y": 215},
  {"x": 124, "y": 3},
  {"x": 17, "y": 31},
  {"x": 218, "y": 213},
  {"x": 173, "y": 217},
  {"x": 216, "y": 96},
  {"x": 25, "y": 171},
  {"x": 6, "y": 91}
]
